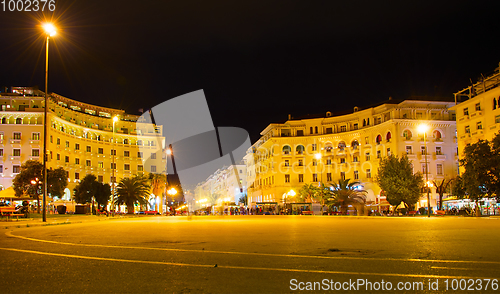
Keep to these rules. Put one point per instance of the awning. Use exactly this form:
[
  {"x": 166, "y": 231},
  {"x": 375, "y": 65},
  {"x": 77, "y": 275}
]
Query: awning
[{"x": 10, "y": 194}]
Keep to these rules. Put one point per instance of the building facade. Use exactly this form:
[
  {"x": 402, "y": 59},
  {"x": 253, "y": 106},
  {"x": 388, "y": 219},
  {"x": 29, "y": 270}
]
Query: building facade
[
  {"x": 326, "y": 149},
  {"x": 82, "y": 138},
  {"x": 478, "y": 111}
]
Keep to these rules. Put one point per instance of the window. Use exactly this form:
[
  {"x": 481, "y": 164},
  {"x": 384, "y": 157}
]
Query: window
[
  {"x": 16, "y": 169},
  {"x": 466, "y": 111},
  {"x": 51, "y": 139},
  {"x": 368, "y": 173},
  {"x": 341, "y": 145},
  {"x": 153, "y": 155},
  {"x": 77, "y": 146},
  {"x": 113, "y": 165},
  {"x": 354, "y": 145},
  {"x": 478, "y": 106},
  {"x": 355, "y": 158},
  {"x": 342, "y": 176},
  {"x": 388, "y": 136},
  {"x": 355, "y": 126},
  {"x": 315, "y": 162},
  {"x": 286, "y": 150},
  {"x": 300, "y": 149},
  {"x": 438, "y": 150},
  {"x": 113, "y": 152},
  {"x": 1, "y": 136},
  {"x": 1, "y": 152},
  {"x": 77, "y": 176},
  {"x": 287, "y": 162},
  {"x": 125, "y": 141},
  {"x": 437, "y": 135},
  {"x": 287, "y": 178},
  {"x": 367, "y": 140},
  {"x": 301, "y": 162},
  {"x": 408, "y": 150},
  {"x": 342, "y": 160},
  {"x": 315, "y": 130},
  {"x": 479, "y": 125},
  {"x": 77, "y": 160},
  {"x": 16, "y": 152},
  {"x": 378, "y": 139},
  {"x": 100, "y": 179},
  {"x": 367, "y": 155},
  {"x": 407, "y": 134},
  {"x": 315, "y": 147},
  {"x": 467, "y": 129},
  {"x": 329, "y": 130},
  {"x": 112, "y": 179},
  {"x": 419, "y": 115},
  {"x": 140, "y": 168},
  {"x": 35, "y": 152},
  {"x": 315, "y": 177},
  {"x": 139, "y": 154},
  {"x": 497, "y": 119},
  {"x": 439, "y": 169},
  {"x": 328, "y": 177},
  {"x": 89, "y": 149},
  {"x": 343, "y": 128},
  {"x": 311, "y": 130},
  {"x": 100, "y": 164},
  {"x": 423, "y": 150},
  {"x": 126, "y": 166},
  {"x": 16, "y": 136},
  {"x": 66, "y": 144},
  {"x": 388, "y": 151},
  {"x": 425, "y": 169},
  {"x": 35, "y": 136},
  {"x": 100, "y": 150},
  {"x": 328, "y": 161},
  {"x": 301, "y": 178},
  {"x": 356, "y": 175},
  {"x": 378, "y": 153},
  {"x": 66, "y": 159},
  {"x": 300, "y": 132},
  {"x": 88, "y": 162},
  {"x": 126, "y": 153},
  {"x": 58, "y": 141}
]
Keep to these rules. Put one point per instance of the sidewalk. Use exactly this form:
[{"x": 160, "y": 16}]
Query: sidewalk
[{"x": 35, "y": 219}]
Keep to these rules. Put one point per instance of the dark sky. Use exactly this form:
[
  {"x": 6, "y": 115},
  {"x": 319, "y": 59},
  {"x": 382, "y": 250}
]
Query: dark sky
[{"x": 257, "y": 61}]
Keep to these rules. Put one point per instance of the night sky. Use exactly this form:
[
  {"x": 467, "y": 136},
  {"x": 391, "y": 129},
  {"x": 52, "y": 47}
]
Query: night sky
[{"x": 257, "y": 61}]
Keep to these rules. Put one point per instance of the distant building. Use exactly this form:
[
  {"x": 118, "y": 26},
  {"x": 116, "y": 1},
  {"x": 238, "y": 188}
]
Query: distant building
[
  {"x": 349, "y": 146},
  {"x": 478, "y": 111},
  {"x": 80, "y": 138}
]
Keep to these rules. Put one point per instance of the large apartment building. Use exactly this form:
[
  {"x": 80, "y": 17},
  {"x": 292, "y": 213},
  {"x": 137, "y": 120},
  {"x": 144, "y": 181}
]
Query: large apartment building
[
  {"x": 82, "y": 138},
  {"x": 328, "y": 148},
  {"x": 478, "y": 111}
]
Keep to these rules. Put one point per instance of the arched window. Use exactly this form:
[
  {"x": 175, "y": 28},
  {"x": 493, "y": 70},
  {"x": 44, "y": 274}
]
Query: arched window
[
  {"x": 315, "y": 130},
  {"x": 379, "y": 139},
  {"x": 4, "y": 120},
  {"x": 300, "y": 149},
  {"x": 125, "y": 141},
  {"x": 407, "y": 134},
  {"x": 19, "y": 121},
  {"x": 328, "y": 147},
  {"x": 354, "y": 144},
  {"x": 287, "y": 149},
  {"x": 341, "y": 145},
  {"x": 388, "y": 136},
  {"x": 436, "y": 134}
]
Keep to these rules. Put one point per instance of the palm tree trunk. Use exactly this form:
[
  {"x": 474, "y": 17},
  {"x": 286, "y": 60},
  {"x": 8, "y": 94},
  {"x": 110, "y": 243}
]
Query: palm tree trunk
[{"x": 130, "y": 208}]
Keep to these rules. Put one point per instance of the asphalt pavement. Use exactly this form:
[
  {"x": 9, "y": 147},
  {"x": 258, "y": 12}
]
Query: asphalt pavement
[{"x": 250, "y": 254}]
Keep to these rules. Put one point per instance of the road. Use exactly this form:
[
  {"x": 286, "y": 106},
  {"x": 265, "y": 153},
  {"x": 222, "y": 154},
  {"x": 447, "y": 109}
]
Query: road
[{"x": 251, "y": 254}]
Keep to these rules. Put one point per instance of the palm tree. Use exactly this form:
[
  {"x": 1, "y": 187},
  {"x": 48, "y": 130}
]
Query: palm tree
[
  {"x": 346, "y": 193},
  {"x": 131, "y": 191},
  {"x": 158, "y": 184},
  {"x": 307, "y": 192}
]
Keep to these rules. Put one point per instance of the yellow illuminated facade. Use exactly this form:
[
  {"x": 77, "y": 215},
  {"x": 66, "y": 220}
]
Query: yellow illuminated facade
[
  {"x": 478, "y": 116},
  {"x": 82, "y": 138},
  {"x": 326, "y": 149}
]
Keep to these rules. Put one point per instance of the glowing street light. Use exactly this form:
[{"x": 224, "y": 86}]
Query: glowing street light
[
  {"x": 115, "y": 119},
  {"x": 50, "y": 31},
  {"x": 422, "y": 128}
]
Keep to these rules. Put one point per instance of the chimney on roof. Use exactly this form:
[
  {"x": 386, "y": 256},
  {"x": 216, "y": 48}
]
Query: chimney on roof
[{"x": 289, "y": 116}]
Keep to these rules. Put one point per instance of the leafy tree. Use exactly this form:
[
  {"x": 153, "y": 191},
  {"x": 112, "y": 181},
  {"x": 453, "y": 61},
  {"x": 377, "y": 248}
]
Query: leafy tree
[
  {"x": 57, "y": 180},
  {"x": 131, "y": 191},
  {"x": 346, "y": 193},
  {"x": 86, "y": 189},
  {"x": 440, "y": 189},
  {"x": 102, "y": 194},
  {"x": 158, "y": 184},
  {"x": 395, "y": 176},
  {"x": 323, "y": 194}
]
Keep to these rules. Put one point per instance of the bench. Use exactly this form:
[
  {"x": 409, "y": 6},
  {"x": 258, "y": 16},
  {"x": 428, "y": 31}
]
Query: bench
[
  {"x": 306, "y": 212},
  {"x": 412, "y": 212},
  {"x": 9, "y": 211},
  {"x": 440, "y": 212}
]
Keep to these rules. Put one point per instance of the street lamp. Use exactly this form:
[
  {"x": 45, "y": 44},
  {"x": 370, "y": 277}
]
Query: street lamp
[
  {"x": 422, "y": 128},
  {"x": 290, "y": 193},
  {"x": 50, "y": 31},
  {"x": 168, "y": 152},
  {"x": 115, "y": 119}
]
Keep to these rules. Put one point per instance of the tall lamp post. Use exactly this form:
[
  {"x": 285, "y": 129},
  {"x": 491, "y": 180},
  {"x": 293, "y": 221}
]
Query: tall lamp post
[
  {"x": 50, "y": 31},
  {"x": 422, "y": 128},
  {"x": 168, "y": 152},
  {"x": 113, "y": 180}
]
